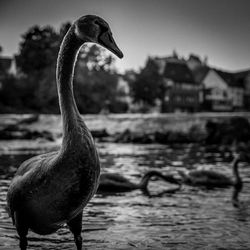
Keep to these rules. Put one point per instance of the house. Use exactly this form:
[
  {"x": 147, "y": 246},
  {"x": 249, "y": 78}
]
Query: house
[
  {"x": 243, "y": 78},
  {"x": 5, "y": 65},
  {"x": 235, "y": 89},
  {"x": 222, "y": 91},
  {"x": 216, "y": 92},
  {"x": 194, "y": 62},
  {"x": 182, "y": 91},
  {"x": 192, "y": 85}
]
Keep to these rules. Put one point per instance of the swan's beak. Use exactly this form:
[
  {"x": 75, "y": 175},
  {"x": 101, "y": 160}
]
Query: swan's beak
[{"x": 108, "y": 42}]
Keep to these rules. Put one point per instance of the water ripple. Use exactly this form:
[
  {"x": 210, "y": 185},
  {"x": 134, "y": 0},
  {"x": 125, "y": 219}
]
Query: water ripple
[{"x": 192, "y": 218}]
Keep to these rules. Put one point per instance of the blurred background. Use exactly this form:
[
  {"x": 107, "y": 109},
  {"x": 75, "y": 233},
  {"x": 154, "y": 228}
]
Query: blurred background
[
  {"x": 179, "y": 56},
  {"x": 178, "y": 100}
]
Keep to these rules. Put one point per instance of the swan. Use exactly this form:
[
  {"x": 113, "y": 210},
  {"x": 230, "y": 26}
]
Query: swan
[
  {"x": 52, "y": 189},
  {"x": 213, "y": 179},
  {"x": 116, "y": 183}
]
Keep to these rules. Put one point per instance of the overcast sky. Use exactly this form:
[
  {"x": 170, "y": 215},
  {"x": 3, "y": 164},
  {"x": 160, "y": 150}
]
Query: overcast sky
[{"x": 219, "y": 29}]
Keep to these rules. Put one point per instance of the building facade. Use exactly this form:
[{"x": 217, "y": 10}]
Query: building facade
[
  {"x": 182, "y": 91},
  {"x": 216, "y": 92}
]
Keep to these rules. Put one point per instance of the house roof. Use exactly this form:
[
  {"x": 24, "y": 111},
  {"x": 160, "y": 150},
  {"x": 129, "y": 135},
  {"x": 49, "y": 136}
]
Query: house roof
[
  {"x": 5, "y": 64},
  {"x": 227, "y": 77},
  {"x": 232, "y": 79},
  {"x": 178, "y": 71},
  {"x": 193, "y": 57},
  {"x": 199, "y": 73},
  {"x": 241, "y": 76}
]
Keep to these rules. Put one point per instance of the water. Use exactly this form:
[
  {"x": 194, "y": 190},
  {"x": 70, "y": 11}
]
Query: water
[{"x": 192, "y": 218}]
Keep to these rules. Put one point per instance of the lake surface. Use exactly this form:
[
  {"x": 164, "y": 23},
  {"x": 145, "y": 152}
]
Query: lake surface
[{"x": 192, "y": 218}]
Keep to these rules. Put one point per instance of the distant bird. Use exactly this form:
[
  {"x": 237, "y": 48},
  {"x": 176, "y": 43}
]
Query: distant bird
[
  {"x": 116, "y": 183},
  {"x": 212, "y": 179},
  {"x": 52, "y": 189}
]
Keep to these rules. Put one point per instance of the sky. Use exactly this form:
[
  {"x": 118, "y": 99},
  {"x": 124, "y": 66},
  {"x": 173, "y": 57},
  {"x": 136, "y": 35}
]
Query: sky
[{"x": 218, "y": 29}]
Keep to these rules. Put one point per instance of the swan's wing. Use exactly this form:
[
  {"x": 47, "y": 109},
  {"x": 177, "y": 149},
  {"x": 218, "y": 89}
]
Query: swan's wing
[
  {"x": 13, "y": 198},
  {"x": 17, "y": 190},
  {"x": 210, "y": 175},
  {"x": 209, "y": 178},
  {"x": 113, "y": 177},
  {"x": 111, "y": 182},
  {"x": 34, "y": 162},
  {"x": 198, "y": 173},
  {"x": 217, "y": 176}
]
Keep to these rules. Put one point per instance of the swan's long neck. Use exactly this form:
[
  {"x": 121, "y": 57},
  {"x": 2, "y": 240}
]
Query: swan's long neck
[
  {"x": 236, "y": 171},
  {"x": 144, "y": 182},
  {"x": 238, "y": 184},
  {"x": 64, "y": 76}
]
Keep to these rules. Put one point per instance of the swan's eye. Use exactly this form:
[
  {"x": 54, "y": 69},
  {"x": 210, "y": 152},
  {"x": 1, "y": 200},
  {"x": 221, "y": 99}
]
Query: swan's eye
[{"x": 103, "y": 27}]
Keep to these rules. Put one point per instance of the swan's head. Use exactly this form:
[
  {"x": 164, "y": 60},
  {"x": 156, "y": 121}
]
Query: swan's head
[{"x": 94, "y": 29}]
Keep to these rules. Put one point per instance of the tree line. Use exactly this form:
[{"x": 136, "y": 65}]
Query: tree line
[{"x": 33, "y": 87}]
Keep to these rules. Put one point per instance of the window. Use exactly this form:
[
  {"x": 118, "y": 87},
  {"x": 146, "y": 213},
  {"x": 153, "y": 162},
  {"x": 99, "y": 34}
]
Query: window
[{"x": 178, "y": 99}]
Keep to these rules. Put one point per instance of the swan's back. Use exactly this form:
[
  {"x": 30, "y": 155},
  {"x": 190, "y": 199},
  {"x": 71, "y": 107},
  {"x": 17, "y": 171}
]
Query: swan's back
[
  {"x": 209, "y": 174},
  {"x": 113, "y": 177},
  {"x": 112, "y": 182},
  {"x": 207, "y": 178}
]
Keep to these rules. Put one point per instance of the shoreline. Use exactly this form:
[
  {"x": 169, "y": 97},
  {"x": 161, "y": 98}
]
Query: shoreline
[{"x": 135, "y": 128}]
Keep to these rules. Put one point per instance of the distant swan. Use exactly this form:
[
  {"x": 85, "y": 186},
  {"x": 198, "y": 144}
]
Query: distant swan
[
  {"x": 52, "y": 189},
  {"x": 212, "y": 179},
  {"x": 116, "y": 183}
]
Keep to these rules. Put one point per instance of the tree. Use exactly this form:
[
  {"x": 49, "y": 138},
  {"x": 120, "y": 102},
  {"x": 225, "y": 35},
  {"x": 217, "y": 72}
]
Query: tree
[
  {"x": 10, "y": 93},
  {"x": 95, "y": 58},
  {"x": 95, "y": 74},
  {"x": 96, "y": 81},
  {"x": 36, "y": 62},
  {"x": 146, "y": 86},
  {"x": 38, "y": 50}
]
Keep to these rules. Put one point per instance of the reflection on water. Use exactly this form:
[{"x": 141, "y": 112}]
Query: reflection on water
[{"x": 189, "y": 219}]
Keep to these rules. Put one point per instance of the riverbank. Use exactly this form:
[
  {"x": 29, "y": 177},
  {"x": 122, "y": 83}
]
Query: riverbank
[{"x": 136, "y": 128}]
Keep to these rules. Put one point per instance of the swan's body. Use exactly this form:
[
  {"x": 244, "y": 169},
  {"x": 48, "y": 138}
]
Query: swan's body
[
  {"x": 212, "y": 179},
  {"x": 52, "y": 189},
  {"x": 116, "y": 183},
  {"x": 208, "y": 178}
]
